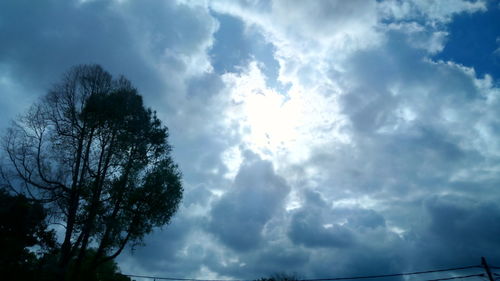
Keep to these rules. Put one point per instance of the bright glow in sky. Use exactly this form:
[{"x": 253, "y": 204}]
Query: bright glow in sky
[{"x": 268, "y": 121}]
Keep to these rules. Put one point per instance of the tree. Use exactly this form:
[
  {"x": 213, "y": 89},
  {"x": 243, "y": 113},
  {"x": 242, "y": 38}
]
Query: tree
[
  {"x": 107, "y": 271},
  {"x": 99, "y": 159},
  {"x": 280, "y": 277},
  {"x": 22, "y": 225}
]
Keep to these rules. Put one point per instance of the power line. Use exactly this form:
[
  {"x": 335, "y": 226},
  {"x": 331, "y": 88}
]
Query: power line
[
  {"x": 332, "y": 279},
  {"x": 188, "y": 279},
  {"x": 392, "y": 275},
  {"x": 183, "y": 279},
  {"x": 457, "y": 277}
]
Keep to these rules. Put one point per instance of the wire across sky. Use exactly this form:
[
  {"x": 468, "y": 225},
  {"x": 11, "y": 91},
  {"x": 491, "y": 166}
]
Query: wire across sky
[{"x": 346, "y": 278}]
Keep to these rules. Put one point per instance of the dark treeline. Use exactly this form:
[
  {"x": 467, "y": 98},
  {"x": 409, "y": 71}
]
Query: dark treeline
[
  {"x": 90, "y": 163},
  {"x": 29, "y": 248}
]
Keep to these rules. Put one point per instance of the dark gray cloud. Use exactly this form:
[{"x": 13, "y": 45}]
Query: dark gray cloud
[
  {"x": 308, "y": 229},
  {"x": 310, "y": 225},
  {"x": 140, "y": 40},
  {"x": 458, "y": 230},
  {"x": 45, "y": 38},
  {"x": 239, "y": 217},
  {"x": 269, "y": 260}
]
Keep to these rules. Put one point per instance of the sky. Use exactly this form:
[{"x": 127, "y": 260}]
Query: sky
[{"x": 316, "y": 138}]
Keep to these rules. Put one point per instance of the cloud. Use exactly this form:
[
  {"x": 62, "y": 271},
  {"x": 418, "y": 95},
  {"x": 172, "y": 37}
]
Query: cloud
[
  {"x": 497, "y": 50},
  {"x": 465, "y": 227},
  {"x": 413, "y": 127},
  {"x": 306, "y": 229},
  {"x": 434, "y": 13},
  {"x": 238, "y": 219},
  {"x": 140, "y": 41}
]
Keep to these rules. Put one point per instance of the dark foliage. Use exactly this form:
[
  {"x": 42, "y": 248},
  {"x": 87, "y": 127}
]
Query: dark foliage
[
  {"x": 22, "y": 225},
  {"x": 280, "y": 277},
  {"x": 94, "y": 155}
]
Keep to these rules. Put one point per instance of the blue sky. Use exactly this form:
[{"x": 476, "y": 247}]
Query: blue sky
[
  {"x": 474, "y": 40},
  {"x": 236, "y": 45},
  {"x": 322, "y": 138}
]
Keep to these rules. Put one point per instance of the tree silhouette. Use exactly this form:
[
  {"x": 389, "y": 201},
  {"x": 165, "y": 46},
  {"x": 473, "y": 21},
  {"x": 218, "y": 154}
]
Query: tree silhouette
[
  {"x": 95, "y": 155},
  {"x": 280, "y": 277},
  {"x": 22, "y": 225}
]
